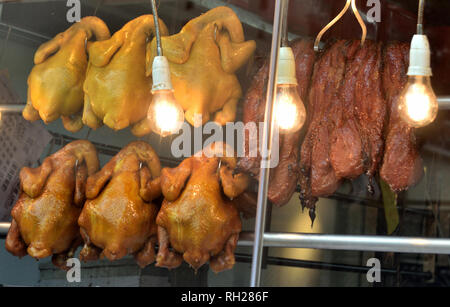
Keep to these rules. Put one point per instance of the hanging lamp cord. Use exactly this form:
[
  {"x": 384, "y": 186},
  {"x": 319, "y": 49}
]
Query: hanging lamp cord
[
  {"x": 420, "y": 17},
  {"x": 159, "y": 50}
]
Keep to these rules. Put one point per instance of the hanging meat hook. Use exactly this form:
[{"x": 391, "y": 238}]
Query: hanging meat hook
[{"x": 337, "y": 18}]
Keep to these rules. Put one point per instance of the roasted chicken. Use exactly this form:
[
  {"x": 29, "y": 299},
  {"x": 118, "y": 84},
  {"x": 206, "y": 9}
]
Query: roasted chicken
[
  {"x": 203, "y": 59},
  {"x": 117, "y": 91},
  {"x": 52, "y": 196},
  {"x": 119, "y": 216},
  {"x": 55, "y": 84},
  {"x": 198, "y": 218}
]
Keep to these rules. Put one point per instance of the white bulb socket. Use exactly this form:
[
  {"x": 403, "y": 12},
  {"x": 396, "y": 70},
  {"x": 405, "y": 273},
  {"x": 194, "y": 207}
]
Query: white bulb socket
[
  {"x": 420, "y": 57},
  {"x": 161, "y": 74},
  {"x": 286, "y": 67}
]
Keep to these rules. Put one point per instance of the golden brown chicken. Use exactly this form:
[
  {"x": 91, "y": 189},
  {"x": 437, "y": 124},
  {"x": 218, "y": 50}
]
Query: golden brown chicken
[
  {"x": 45, "y": 216},
  {"x": 203, "y": 59},
  {"x": 195, "y": 219},
  {"x": 55, "y": 85},
  {"x": 117, "y": 91},
  {"x": 118, "y": 217}
]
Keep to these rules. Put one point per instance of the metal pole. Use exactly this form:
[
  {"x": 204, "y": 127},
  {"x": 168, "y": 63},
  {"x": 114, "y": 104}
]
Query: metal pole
[
  {"x": 267, "y": 147},
  {"x": 414, "y": 245},
  {"x": 11, "y": 108},
  {"x": 444, "y": 102},
  {"x": 4, "y": 227}
]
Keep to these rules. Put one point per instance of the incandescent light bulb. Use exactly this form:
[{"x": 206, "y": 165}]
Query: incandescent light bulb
[
  {"x": 290, "y": 113},
  {"x": 418, "y": 105},
  {"x": 289, "y": 110},
  {"x": 166, "y": 116}
]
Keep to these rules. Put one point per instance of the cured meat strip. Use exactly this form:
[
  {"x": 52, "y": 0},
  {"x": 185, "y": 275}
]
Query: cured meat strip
[
  {"x": 402, "y": 165},
  {"x": 346, "y": 149},
  {"x": 254, "y": 109},
  {"x": 283, "y": 178},
  {"x": 324, "y": 96},
  {"x": 370, "y": 107},
  {"x": 317, "y": 176}
]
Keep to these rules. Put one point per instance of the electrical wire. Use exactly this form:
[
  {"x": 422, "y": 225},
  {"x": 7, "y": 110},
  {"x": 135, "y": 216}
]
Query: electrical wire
[
  {"x": 420, "y": 17},
  {"x": 159, "y": 50}
]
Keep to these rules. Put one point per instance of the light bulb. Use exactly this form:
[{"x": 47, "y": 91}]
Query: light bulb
[
  {"x": 289, "y": 110},
  {"x": 418, "y": 104},
  {"x": 165, "y": 115}
]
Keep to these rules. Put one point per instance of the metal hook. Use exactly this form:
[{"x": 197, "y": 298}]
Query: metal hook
[
  {"x": 216, "y": 28},
  {"x": 337, "y": 18},
  {"x": 360, "y": 21},
  {"x": 220, "y": 164}
]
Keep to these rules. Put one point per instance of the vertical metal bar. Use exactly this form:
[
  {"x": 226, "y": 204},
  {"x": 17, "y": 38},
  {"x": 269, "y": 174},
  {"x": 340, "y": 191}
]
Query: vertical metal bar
[
  {"x": 266, "y": 145},
  {"x": 268, "y": 222}
]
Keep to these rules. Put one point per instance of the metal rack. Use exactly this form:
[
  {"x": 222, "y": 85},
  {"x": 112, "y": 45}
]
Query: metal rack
[{"x": 261, "y": 239}]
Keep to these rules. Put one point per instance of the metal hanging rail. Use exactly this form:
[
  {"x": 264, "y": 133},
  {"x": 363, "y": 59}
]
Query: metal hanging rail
[
  {"x": 413, "y": 245},
  {"x": 444, "y": 104}
]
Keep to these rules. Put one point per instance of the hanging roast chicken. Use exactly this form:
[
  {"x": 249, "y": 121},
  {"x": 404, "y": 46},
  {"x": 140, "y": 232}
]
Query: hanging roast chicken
[
  {"x": 119, "y": 217},
  {"x": 117, "y": 91},
  {"x": 52, "y": 195},
  {"x": 55, "y": 84},
  {"x": 203, "y": 59},
  {"x": 198, "y": 221}
]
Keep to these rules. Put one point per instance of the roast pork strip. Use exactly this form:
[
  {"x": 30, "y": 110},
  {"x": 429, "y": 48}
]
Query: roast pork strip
[
  {"x": 254, "y": 109},
  {"x": 370, "y": 108},
  {"x": 402, "y": 165},
  {"x": 283, "y": 178},
  {"x": 346, "y": 148}
]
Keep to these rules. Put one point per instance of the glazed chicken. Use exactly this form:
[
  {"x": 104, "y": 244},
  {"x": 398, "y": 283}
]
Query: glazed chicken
[
  {"x": 119, "y": 217},
  {"x": 117, "y": 91},
  {"x": 196, "y": 219},
  {"x": 52, "y": 196},
  {"x": 203, "y": 59},
  {"x": 55, "y": 84}
]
